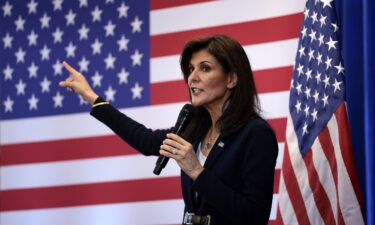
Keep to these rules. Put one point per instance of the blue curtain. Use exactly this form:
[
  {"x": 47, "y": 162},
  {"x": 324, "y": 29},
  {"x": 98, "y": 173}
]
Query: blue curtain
[{"x": 358, "y": 36}]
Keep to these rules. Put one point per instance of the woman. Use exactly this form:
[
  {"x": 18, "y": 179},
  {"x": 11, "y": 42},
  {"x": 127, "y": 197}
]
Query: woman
[{"x": 227, "y": 153}]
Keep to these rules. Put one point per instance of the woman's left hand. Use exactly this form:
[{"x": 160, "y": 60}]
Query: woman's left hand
[{"x": 177, "y": 148}]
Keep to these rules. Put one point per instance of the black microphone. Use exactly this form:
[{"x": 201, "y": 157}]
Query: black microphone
[{"x": 186, "y": 114}]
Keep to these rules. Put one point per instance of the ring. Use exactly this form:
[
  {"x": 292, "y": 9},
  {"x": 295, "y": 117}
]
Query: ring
[{"x": 174, "y": 151}]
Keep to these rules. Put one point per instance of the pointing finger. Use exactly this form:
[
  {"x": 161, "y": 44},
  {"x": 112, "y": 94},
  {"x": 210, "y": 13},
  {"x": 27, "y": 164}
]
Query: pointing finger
[{"x": 70, "y": 69}]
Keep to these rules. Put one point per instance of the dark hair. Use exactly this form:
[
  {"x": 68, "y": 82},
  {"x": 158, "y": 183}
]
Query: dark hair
[{"x": 243, "y": 103}]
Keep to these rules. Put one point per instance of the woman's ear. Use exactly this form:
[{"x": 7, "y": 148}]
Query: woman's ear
[{"x": 232, "y": 80}]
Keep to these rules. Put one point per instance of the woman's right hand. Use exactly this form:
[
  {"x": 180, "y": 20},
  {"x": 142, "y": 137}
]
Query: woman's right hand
[{"x": 79, "y": 85}]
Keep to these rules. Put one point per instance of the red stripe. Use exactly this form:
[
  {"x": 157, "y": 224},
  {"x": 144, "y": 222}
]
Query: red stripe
[
  {"x": 347, "y": 151},
  {"x": 82, "y": 148},
  {"x": 247, "y": 33},
  {"x": 320, "y": 196},
  {"x": 293, "y": 190},
  {"x": 329, "y": 152},
  {"x": 269, "y": 80},
  {"x": 160, "y": 4},
  {"x": 90, "y": 194}
]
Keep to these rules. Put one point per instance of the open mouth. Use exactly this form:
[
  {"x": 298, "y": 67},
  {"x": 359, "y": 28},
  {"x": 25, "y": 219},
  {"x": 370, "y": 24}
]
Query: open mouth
[{"x": 196, "y": 90}]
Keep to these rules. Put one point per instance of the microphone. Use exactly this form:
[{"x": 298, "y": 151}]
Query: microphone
[{"x": 186, "y": 114}]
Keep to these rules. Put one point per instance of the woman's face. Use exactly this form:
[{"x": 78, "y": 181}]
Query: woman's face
[{"x": 208, "y": 83}]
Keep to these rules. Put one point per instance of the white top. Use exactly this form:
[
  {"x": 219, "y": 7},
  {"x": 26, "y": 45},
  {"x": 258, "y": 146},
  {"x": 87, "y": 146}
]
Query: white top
[{"x": 201, "y": 158}]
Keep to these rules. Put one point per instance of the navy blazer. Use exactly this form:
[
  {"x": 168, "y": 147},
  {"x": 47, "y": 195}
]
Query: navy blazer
[{"x": 236, "y": 185}]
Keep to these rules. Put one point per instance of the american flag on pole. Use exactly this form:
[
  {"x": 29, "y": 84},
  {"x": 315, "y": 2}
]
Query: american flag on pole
[
  {"x": 318, "y": 182},
  {"x": 61, "y": 166}
]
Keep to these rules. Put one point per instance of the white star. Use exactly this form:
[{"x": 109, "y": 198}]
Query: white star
[
  {"x": 123, "y": 43},
  {"x": 83, "y": 65},
  {"x": 45, "y": 21},
  {"x": 319, "y": 58},
  {"x": 110, "y": 61},
  {"x": 307, "y": 92},
  {"x": 83, "y": 3},
  {"x": 32, "y": 6},
  {"x": 306, "y": 110},
  {"x": 137, "y": 91},
  {"x": 96, "y": 47},
  {"x": 326, "y": 3},
  {"x": 299, "y": 88},
  {"x": 340, "y": 69},
  {"x": 81, "y": 101},
  {"x": 304, "y": 129},
  {"x": 123, "y": 76},
  {"x": 304, "y": 32},
  {"x": 331, "y": 43},
  {"x": 335, "y": 27},
  {"x": 308, "y": 74},
  {"x": 322, "y": 20},
  {"x": 57, "y": 4},
  {"x": 336, "y": 85},
  {"x": 136, "y": 24},
  {"x": 317, "y": 77},
  {"x": 314, "y": 115},
  {"x": 70, "y": 17},
  {"x": 316, "y": 96},
  {"x": 320, "y": 38},
  {"x": 20, "y": 55},
  {"x": 306, "y": 13},
  {"x": 33, "y": 69},
  {"x": 57, "y": 35},
  {"x": 314, "y": 17},
  {"x": 110, "y": 94},
  {"x": 123, "y": 10},
  {"x": 97, "y": 79},
  {"x": 57, "y": 99},
  {"x": 326, "y": 81},
  {"x": 83, "y": 32},
  {"x": 325, "y": 100},
  {"x": 96, "y": 14},
  {"x": 7, "y": 9},
  {"x": 109, "y": 1},
  {"x": 136, "y": 57},
  {"x": 45, "y": 85},
  {"x": 45, "y": 53},
  {"x": 301, "y": 51},
  {"x": 8, "y": 71},
  {"x": 311, "y": 54},
  {"x": 292, "y": 84},
  {"x": 109, "y": 29},
  {"x": 7, "y": 41},
  {"x": 32, "y": 38},
  {"x": 70, "y": 50},
  {"x": 57, "y": 67},
  {"x": 298, "y": 106},
  {"x": 20, "y": 86},
  {"x": 8, "y": 105},
  {"x": 328, "y": 62},
  {"x": 300, "y": 69},
  {"x": 33, "y": 102},
  {"x": 312, "y": 36},
  {"x": 19, "y": 23}
]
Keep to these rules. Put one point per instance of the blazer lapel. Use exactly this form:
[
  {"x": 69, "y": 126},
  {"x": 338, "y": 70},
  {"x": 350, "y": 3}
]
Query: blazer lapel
[{"x": 216, "y": 151}]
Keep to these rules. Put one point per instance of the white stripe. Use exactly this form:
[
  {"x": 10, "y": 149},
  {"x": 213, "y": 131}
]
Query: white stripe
[
  {"x": 218, "y": 13},
  {"x": 83, "y": 125},
  {"x": 301, "y": 173},
  {"x": 139, "y": 213},
  {"x": 286, "y": 208},
  {"x": 104, "y": 169},
  {"x": 325, "y": 175},
  {"x": 348, "y": 201},
  {"x": 83, "y": 171},
  {"x": 262, "y": 56},
  {"x": 280, "y": 156}
]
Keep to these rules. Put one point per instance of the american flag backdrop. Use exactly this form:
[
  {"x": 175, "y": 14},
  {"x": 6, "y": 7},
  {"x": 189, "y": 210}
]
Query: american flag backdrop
[
  {"x": 318, "y": 181},
  {"x": 61, "y": 166}
]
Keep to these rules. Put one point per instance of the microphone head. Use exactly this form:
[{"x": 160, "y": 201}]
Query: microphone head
[{"x": 186, "y": 114}]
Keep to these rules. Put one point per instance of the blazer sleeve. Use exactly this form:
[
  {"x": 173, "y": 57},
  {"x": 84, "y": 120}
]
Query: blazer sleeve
[
  {"x": 252, "y": 205},
  {"x": 143, "y": 139}
]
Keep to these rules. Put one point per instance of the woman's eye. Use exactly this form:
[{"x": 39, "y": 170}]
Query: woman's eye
[
  {"x": 191, "y": 69},
  {"x": 205, "y": 68}
]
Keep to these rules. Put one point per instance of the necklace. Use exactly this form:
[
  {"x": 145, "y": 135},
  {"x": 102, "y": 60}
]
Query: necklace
[{"x": 210, "y": 141}]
